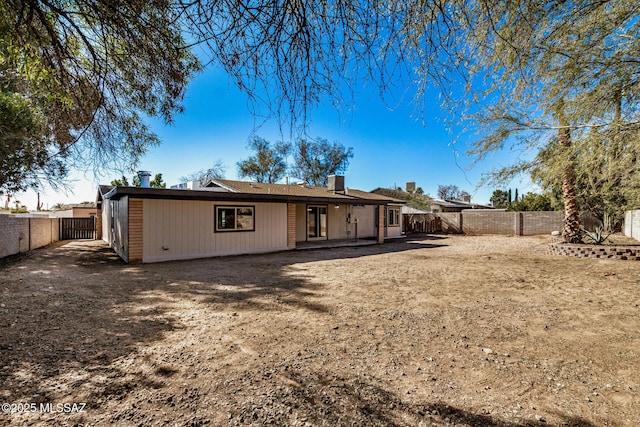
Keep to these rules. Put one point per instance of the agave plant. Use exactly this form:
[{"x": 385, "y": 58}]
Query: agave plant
[{"x": 597, "y": 236}]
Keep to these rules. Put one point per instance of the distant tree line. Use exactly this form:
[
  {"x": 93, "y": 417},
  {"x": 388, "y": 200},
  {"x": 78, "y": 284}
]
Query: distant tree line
[
  {"x": 313, "y": 162},
  {"x": 502, "y": 199},
  {"x": 156, "y": 182}
]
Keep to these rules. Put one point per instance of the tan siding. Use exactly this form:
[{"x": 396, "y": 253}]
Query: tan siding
[
  {"x": 337, "y": 221},
  {"x": 186, "y": 230},
  {"x": 366, "y": 217}
]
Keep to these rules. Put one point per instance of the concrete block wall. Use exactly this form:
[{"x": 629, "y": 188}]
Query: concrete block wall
[
  {"x": 22, "y": 234},
  {"x": 44, "y": 231},
  {"x": 452, "y": 222},
  {"x": 541, "y": 222},
  {"x": 491, "y": 222},
  {"x": 508, "y": 223}
]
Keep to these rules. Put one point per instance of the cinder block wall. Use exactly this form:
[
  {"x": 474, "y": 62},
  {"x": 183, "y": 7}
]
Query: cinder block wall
[
  {"x": 14, "y": 235},
  {"x": 44, "y": 231},
  {"x": 490, "y": 222},
  {"x": 451, "y": 221},
  {"x": 541, "y": 222},
  {"x": 20, "y": 234},
  {"x": 510, "y": 223}
]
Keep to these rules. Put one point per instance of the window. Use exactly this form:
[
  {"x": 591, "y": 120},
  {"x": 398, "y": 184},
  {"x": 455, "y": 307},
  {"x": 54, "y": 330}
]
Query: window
[
  {"x": 234, "y": 218},
  {"x": 394, "y": 217}
]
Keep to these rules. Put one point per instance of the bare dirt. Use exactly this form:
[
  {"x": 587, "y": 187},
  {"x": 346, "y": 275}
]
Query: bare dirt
[{"x": 440, "y": 330}]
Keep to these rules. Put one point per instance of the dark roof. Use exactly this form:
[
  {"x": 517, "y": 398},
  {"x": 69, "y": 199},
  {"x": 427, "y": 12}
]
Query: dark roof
[
  {"x": 401, "y": 195},
  {"x": 222, "y": 189},
  {"x": 459, "y": 204}
]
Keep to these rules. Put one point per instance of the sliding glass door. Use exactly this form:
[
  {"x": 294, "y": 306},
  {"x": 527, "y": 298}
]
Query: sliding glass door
[{"x": 316, "y": 222}]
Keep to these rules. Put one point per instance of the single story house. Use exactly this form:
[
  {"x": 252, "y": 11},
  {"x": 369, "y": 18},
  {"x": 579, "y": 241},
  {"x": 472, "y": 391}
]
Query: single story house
[
  {"x": 455, "y": 205},
  {"x": 236, "y": 217},
  {"x": 75, "y": 211}
]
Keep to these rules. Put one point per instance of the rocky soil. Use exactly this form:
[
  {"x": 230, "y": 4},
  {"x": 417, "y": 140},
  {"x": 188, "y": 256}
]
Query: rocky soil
[{"x": 433, "y": 331}]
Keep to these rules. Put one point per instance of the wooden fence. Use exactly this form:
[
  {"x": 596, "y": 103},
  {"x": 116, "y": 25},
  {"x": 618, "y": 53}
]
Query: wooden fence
[{"x": 77, "y": 228}]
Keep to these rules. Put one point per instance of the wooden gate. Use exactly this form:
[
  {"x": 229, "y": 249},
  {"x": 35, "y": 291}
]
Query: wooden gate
[
  {"x": 78, "y": 228},
  {"x": 421, "y": 223}
]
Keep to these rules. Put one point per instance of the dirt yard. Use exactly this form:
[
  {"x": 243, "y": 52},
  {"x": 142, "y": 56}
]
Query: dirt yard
[{"x": 443, "y": 330}]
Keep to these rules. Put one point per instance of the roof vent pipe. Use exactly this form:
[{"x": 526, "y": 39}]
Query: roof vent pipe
[{"x": 145, "y": 177}]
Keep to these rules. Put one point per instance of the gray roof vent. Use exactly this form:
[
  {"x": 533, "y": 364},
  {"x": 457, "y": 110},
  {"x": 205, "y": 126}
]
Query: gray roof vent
[{"x": 145, "y": 177}]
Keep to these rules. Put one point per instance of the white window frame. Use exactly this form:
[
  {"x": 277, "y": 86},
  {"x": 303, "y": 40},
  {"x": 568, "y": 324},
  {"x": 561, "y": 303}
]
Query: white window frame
[{"x": 393, "y": 217}]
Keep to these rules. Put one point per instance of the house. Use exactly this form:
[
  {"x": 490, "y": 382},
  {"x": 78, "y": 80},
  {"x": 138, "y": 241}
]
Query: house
[
  {"x": 75, "y": 211},
  {"x": 455, "y": 205},
  {"x": 236, "y": 217}
]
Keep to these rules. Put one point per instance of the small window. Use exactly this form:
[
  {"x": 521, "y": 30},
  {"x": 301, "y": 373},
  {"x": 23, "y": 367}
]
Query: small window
[
  {"x": 394, "y": 217},
  {"x": 234, "y": 218}
]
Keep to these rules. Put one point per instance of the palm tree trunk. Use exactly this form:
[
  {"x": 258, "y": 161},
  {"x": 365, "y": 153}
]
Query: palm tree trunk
[{"x": 571, "y": 230}]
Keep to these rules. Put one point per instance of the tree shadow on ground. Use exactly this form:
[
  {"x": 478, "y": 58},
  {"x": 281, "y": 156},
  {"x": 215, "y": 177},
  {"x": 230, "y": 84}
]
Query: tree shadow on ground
[
  {"x": 326, "y": 398},
  {"x": 76, "y": 315},
  {"x": 73, "y": 309}
]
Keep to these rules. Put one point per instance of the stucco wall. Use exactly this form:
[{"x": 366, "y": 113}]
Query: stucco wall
[{"x": 20, "y": 234}]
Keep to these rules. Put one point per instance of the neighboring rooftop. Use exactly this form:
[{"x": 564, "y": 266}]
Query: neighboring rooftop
[{"x": 459, "y": 204}]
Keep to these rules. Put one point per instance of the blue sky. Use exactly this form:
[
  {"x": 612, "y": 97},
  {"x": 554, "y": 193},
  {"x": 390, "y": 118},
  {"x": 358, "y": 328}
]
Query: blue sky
[{"x": 390, "y": 147}]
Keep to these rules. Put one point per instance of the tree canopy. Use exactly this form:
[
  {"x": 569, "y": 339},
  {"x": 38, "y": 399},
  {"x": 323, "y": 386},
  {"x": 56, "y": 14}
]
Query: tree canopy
[
  {"x": 156, "y": 182},
  {"x": 216, "y": 170},
  {"x": 451, "y": 192},
  {"x": 315, "y": 160},
  {"x": 77, "y": 79},
  {"x": 268, "y": 164}
]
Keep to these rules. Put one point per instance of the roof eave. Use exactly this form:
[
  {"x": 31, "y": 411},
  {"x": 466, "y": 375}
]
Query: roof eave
[{"x": 154, "y": 193}]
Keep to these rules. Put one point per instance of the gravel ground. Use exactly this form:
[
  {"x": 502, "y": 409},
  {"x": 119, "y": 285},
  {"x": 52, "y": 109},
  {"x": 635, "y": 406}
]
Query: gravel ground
[{"x": 438, "y": 330}]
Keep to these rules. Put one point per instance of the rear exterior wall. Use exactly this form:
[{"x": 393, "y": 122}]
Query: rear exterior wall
[
  {"x": 338, "y": 228},
  {"x": 182, "y": 229}
]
